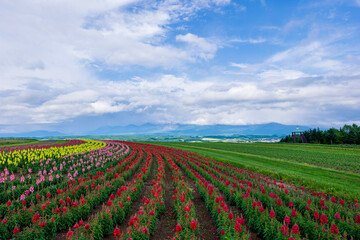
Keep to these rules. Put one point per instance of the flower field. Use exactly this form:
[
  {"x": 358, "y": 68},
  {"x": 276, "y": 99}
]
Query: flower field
[{"x": 125, "y": 190}]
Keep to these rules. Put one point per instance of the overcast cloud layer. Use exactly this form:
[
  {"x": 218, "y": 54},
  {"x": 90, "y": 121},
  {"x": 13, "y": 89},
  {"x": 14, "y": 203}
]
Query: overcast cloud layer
[{"x": 204, "y": 62}]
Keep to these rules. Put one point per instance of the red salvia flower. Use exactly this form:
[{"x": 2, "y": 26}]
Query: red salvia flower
[
  {"x": 193, "y": 225},
  {"x": 284, "y": 230},
  {"x": 182, "y": 197},
  {"x": 295, "y": 229},
  {"x": 69, "y": 234},
  {"x": 178, "y": 228},
  {"x": 357, "y": 219},
  {"x": 272, "y": 214},
  {"x": 237, "y": 227},
  {"x": 117, "y": 232},
  {"x": 323, "y": 219},
  {"x": 36, "y": 217},
  {"x": 16, "y": 230},
  {"x": 334, "y": 229},
  {"x": 287, "y": 219}
]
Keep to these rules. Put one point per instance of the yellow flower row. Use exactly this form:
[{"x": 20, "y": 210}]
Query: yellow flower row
[{"x": 24, "y": 157}]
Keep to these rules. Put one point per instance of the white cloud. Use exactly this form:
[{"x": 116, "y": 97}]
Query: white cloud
[
  {"x": 277, "y": 75},
  {"x": 45, "y": 34},
  {"x": 239, "y": 65},
  {"x": 199, "y": 46},
  {"x": 180, "y": 100},
  {"x": 250, "y": 40},
  {"x": 47, "y": 48},
  {"x": 221, "y": 2},
  {"x": 294, "y": 25},
  {"x": 311, "y": 56}
]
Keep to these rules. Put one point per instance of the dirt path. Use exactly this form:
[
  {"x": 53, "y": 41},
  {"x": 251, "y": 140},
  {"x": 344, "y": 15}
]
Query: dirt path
[{"x": 167, "y": 220}]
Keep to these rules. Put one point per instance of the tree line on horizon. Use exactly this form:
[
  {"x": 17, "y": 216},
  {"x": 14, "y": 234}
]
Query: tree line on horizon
[{"x": 348, "y": 134}]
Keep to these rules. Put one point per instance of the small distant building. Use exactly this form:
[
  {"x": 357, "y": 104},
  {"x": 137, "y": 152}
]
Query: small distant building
[{"x": 298, "y": 134}]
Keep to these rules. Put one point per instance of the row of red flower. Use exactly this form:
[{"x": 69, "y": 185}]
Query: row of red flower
[
  {"x": 250, "y": 196},
  {"x": 187, "y": 224},
  {"x": 317, "y": 221},
  {"x": 143, "y": 223},
  {"x": 115, "y": 209},
  {"x": 229, "y": 225}
]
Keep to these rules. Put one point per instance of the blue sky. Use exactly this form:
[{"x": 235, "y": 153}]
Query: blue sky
[{"x": 74, "y": 66}]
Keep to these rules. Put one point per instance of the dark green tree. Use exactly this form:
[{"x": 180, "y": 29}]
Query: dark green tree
[{"x": 348, "y": 134}]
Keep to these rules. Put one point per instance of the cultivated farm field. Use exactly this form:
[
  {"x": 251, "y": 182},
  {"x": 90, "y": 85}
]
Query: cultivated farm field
[
  {"x": 84, "y": 189},
  {"x": 323, "y": 168}
]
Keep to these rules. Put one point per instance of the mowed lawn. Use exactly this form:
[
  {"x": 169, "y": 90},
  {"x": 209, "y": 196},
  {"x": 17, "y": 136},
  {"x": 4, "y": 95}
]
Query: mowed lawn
[{"x": 321, "y": 175}]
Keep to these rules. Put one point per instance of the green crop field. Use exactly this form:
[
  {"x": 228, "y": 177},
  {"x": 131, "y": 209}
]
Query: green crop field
[
  {"x": 20, "y": 142},
  {"x": 17, "y": 142},
  {"x": 324, "y": 168}
]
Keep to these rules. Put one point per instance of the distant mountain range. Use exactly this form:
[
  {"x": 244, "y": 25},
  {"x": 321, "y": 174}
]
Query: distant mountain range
[
  {"x": 33, "y": 134},
  {"x": 173, "y": 130}
]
